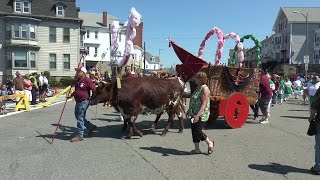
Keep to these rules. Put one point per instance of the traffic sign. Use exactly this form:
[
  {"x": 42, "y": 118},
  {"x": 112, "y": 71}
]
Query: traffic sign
[{"x": 306, "y": 59}]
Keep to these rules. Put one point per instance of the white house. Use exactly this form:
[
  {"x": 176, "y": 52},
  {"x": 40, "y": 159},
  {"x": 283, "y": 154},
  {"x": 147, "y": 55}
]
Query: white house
[{"x": 96, "y": 39}]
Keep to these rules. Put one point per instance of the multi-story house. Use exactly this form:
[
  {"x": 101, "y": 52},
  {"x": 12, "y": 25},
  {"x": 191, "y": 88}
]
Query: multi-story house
[
  {"x": 96, "y": 39},
  {"x": 290, "y": 43},
  {"x": 39, "y": 35}
]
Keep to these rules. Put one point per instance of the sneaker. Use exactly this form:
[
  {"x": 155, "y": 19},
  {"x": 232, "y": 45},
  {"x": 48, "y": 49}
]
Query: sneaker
[
  {"x": 262, "y": 119},
  {"x": 120, "y": 118},
  {"x": 90, "y": 130},
  {"x": 314, "y": 171},
  {"x": 266, "y": 121},
  {"x": 255, "y": 118},
  {"x": 76, "y": 139}
]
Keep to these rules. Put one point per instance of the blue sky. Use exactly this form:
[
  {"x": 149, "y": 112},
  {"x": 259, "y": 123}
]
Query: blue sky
[{"x": 188, "y": 21}]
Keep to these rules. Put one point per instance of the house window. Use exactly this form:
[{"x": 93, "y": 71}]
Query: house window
[
  {"x": 81, "y": 41},
  {"x": 119, "y": 37},
  {"x": 32, "y": 32},
  {"x": 24, "y": 31},
  {"x": 26, "y": 6},
  {"x": 316, "y": 37},
  {"x": 22, "y": 6},
  {"x": 52, "y": 34},
  {"x": 53, "y": 61},
  {"x": 154, "y": 67},
  {"x": 8, "y": 31},
  {"x": 9, "y": 59},
  {"x": 17, "y": 5},
  {"x": 16, "y": 30},
  {"x": 96, "y": 34},
  {"x": 66, "y": 35},
  {"x": 88, "y": 34},
  {"x": 20, "y": 59},
  {"x": 95, "y": 51},
  {"x": 60, "y": 10},
  {"x": 66, "y": 61},
  {"x": 32, "y": 59}
]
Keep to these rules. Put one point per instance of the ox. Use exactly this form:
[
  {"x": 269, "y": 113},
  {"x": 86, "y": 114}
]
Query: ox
[{"x": 142, "y": 94}]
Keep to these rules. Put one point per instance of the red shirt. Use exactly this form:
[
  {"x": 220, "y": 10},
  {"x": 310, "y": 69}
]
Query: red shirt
[
  {"x": 264, "y": 86},
  {"x": 82, "y": 89}
]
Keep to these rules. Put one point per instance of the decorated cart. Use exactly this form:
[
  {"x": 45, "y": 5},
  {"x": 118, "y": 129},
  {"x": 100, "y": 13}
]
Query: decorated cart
[{"x": 232, "y": 88}]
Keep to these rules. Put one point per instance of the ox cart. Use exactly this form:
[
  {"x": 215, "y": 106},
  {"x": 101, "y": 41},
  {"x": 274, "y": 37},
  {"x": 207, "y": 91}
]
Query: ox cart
[{"x": 232, "y": 89}]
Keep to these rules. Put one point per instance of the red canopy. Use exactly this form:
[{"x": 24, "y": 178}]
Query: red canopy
[{"x": 190, "y": 63}]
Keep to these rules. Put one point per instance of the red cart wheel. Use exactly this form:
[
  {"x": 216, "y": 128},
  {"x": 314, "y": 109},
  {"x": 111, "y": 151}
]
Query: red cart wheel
[{"x": 236, "y": 110}]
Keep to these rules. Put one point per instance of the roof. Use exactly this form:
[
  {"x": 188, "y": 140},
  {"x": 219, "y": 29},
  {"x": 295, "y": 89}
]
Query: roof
[
  {"x": 95, "y": 19},
  {"x": 149, "y": 58},
  {"x": 313, "y": 14},
  {"x": 45, "y": 8}
]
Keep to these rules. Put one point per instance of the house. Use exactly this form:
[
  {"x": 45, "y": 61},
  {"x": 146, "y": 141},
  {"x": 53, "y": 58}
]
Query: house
[
  {"x": 39, "y": 35},
  {"x": 294, "y": 38},
  {"x": 96, "y": 39},
  {"x": 152, "y": 63}
]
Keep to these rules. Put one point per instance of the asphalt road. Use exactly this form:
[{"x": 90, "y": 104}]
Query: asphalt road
[{"x": 279, "y": 150}]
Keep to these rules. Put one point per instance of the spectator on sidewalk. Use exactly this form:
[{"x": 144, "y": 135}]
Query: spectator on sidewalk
[
  {"x": 3, "y": 93},
  {"x": 41, "y": 88},
  {"x": 27, "y": 84},
  {"x": 18, "y": 84},
  {"x": 33, "y": 79}
]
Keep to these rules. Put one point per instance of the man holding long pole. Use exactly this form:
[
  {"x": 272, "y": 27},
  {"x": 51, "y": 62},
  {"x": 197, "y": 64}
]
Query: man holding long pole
[{"x": 83, "y": 86}]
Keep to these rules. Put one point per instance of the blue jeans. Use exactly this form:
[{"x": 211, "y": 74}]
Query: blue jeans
[
  {"x": 317, "y": 152},
  {"x": 80, "y": 112}
]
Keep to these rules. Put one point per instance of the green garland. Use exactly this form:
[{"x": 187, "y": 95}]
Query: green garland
[{"x": 258, "y": 49}]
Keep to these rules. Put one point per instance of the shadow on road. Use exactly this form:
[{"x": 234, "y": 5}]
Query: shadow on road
[
  {"x": 278, "y": 168},
  {"x": 165, "y": 151},
  {"x": 299, "y": 110},
  {"x": 295, "y": 117}
]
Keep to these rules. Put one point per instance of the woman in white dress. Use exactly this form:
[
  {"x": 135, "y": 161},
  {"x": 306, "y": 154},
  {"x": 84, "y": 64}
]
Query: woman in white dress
[{"x": 287, "y": 89}]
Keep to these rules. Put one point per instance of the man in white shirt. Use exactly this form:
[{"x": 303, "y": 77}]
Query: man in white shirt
[{"x": 41, "y": 88}]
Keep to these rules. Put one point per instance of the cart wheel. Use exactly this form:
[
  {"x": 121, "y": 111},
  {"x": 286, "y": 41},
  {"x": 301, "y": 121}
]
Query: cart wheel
[{"x": 236, "y": 110}]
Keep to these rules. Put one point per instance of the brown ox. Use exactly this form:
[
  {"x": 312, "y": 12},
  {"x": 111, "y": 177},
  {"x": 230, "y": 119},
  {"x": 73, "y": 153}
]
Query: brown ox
[{"x": 142, "y": 94}]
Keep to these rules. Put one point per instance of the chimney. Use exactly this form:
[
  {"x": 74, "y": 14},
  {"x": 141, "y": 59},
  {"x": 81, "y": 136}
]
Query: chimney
[
  {"x": 105, "y": 19},
  {"x": 139, "y": 37}
]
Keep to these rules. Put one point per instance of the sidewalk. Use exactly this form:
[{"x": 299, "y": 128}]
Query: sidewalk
[{"x": 11, "y": 105}]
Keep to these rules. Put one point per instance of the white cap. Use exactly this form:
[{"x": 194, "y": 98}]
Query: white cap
[{"x": 81, "y": 68}]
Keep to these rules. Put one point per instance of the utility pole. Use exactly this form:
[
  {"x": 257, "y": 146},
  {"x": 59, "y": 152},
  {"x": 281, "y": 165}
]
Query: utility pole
[{"x": 144, "y": 58}]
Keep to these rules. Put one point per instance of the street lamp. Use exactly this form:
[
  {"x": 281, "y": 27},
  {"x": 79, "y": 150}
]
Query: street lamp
[{"x": 306, "y": 57}]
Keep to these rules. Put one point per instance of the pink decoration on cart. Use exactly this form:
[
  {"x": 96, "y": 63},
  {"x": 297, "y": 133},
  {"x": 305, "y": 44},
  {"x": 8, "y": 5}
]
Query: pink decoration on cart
[
  {"x": 218, "y": 54},
  {"x": 240, "y": 53}
]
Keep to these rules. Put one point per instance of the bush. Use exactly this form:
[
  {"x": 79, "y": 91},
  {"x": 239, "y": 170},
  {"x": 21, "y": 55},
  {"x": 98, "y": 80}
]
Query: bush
[
  {"x": 48, "y": 74},
  {"x": 54, "y": 83},
  {"x": 66, "y": 81}
]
